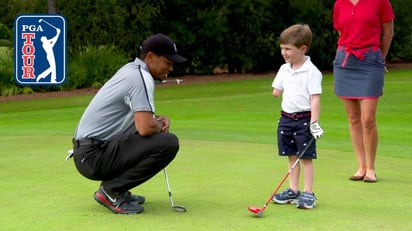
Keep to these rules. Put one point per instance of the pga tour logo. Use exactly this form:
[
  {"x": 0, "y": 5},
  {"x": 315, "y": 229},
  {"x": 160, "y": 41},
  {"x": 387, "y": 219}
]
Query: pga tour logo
[{"x": 40, "y": 49}]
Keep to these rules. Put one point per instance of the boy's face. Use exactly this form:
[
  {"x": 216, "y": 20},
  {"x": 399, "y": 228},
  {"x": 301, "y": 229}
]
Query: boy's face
[{"x": 292, "y": 54}]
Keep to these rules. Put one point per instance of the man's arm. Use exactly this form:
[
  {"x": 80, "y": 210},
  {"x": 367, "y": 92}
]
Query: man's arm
[{"x": 147, "y": 124}]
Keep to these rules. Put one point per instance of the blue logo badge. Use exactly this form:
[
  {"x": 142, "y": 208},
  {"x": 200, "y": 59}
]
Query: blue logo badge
[{"x": 40, "y": 49}]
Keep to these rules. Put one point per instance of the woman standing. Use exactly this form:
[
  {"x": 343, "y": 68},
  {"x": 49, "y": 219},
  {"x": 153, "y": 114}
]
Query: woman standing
[{"x": 365, "y": 29}]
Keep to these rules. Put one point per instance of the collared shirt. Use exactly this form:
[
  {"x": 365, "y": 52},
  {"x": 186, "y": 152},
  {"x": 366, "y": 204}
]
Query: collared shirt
[
  {"x": 298, "y": 85},
  {"x": 110, "y": 113},
  {"x": 360, "y": 25}
]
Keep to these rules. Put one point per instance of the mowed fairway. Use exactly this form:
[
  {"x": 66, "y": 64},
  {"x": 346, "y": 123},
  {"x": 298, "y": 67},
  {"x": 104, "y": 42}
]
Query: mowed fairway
[{"x": 227, "y": 161}]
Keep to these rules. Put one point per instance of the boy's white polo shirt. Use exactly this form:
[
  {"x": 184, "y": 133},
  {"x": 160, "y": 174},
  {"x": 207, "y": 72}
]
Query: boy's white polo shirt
[{"x": 298, "y": 85}]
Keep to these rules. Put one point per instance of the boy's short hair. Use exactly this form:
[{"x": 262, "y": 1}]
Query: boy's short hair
[{"x": 297, "y": 35}]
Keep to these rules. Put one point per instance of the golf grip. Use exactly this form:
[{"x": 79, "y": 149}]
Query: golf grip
[{"x": 287, "y": 174}]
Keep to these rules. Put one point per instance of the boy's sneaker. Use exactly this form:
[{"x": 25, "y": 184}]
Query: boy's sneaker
[
  {"x": 285, "y": 197},
  {"x": 306, "y": 201},
  {"x": 122, "y": 203}
]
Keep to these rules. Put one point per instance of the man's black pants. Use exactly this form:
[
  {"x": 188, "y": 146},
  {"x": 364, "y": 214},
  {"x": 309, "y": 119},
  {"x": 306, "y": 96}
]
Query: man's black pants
[{"x": 125, "y": 162}]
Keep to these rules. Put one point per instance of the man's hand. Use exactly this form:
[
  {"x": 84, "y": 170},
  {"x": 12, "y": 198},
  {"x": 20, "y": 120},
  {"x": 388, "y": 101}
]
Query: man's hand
[
  {"x": 148, "y": 124},
  {"x": 316, "y": 130},
  {"x": 164, "y": 123}
]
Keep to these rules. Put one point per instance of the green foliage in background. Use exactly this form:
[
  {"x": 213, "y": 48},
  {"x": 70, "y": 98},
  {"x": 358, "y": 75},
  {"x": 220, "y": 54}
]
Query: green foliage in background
[
  {"x": 231, "y": 35},
  {"x": 89, "y": 67},
  {"x": 7, "y": 84},
  {"x": 401, "y": 49},
  {"x": 240, "y": 36},
  {"x": 93, "y": 66}
]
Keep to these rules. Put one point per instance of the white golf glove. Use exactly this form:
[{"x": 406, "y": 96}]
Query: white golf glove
[{"x": 316, "y": 130}]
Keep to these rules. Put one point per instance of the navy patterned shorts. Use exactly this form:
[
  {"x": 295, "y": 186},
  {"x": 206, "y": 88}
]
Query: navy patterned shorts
[{"x": 293, "y": 136}]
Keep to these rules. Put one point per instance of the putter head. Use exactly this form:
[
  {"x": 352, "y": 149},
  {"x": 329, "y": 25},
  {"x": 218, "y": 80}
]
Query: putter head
[
  {"x": 256, "y": 211},
  {"x": 180, "y": 208}
]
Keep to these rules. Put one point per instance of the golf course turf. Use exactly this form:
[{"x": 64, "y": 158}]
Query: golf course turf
[{"x": 227, "y": 161}]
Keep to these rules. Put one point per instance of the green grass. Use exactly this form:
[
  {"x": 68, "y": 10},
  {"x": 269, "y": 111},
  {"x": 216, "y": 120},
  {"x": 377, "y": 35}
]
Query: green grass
[{"x": 227, "y": 162}]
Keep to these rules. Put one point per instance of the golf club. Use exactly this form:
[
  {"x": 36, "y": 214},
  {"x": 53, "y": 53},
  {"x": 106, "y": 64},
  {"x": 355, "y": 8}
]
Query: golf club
[
  {"x": 259, "y": 211},
  {"x": 177, "y": 208},
  {"x": 42, "y": 20}
]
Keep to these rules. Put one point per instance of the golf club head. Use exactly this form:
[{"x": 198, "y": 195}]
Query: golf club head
[
  {"x": 40, "y": 20},
  {"x": 180, "y": 208},
  {"x": 256, "y": 211}
]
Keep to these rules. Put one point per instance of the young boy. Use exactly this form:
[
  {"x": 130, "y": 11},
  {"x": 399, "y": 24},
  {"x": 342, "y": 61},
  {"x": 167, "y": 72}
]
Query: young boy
[{"x": 299, "y": 82}]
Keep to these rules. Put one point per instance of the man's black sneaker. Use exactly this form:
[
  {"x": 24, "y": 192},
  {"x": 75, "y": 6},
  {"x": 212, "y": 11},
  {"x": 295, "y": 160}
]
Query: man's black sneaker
[
  {"x": 119, "y": 203},
  {"x": 136, "y": 198}
]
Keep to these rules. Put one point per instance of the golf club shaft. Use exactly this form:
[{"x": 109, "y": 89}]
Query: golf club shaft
[
  {"x": 287, "y": 174},
  {"x": 168, "y": 188}
]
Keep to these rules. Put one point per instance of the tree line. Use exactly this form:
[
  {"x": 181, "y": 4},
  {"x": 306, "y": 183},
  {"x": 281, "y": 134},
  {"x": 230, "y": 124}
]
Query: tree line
[{"x": 240, "y": 36}]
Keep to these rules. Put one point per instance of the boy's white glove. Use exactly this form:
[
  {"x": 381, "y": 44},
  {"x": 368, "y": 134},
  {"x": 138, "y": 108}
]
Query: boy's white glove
[{"x": 316, "y": 130}]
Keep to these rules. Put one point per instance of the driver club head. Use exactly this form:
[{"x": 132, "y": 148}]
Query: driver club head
[{"x": 256, "y": 211}]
